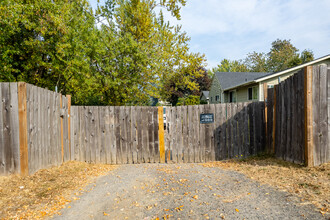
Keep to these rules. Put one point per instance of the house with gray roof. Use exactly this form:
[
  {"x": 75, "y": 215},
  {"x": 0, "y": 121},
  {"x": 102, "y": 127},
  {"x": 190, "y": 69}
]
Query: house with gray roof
[{"x": 249, "y": 86}]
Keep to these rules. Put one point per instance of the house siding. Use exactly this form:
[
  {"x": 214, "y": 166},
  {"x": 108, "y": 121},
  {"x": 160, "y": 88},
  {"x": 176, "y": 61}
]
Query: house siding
[
  {"x": 274, "y": 80},
  {"x": 214, "y": 91},
  {"x": 242, "y": 91}
]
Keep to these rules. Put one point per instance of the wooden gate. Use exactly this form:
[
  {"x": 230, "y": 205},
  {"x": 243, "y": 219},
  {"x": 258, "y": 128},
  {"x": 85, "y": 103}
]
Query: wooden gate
[
  {"x": 115, "y": 135},
  {"x": 237, "y": 131}
]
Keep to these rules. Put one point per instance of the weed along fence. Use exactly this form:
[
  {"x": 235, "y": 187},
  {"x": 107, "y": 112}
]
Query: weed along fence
[
  {"x": 299, "y": 117},
  {"x": 40, "y": 128}
]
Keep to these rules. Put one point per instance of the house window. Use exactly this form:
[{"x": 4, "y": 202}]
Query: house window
[
  {"x": 232, "y": 96},
  {"x": 252, "y": 93},
  {"x": 270, "y": 86},
  {"x": 217, "y": 98}
]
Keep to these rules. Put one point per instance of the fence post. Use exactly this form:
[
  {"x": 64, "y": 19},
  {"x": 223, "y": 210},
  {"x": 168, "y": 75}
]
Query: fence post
[
  {"x": 161, "y": 134},
  {"x": 308, "y": 116},
  {"x": 23, "y": 140}
]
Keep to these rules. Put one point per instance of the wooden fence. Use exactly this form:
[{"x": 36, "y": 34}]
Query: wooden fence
[
  {"x": 34, "y": 127},
  {"x": 238, "y": 131},
  {"x": 299, "y": 117},
  {"x": 39, "y": 128}
]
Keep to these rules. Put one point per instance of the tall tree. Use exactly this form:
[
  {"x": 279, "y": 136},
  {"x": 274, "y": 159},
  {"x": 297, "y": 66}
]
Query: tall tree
[
  {"x": 43, "y": 42},
  {"x": 230, "y": 66},
  {"x": 180, "y": 91},
  {"x": 282, "y": 55},
  {"x": 122, "y": 53},
  {"x": 256, "y": 62},
  {"x": 161, "y": 50}
]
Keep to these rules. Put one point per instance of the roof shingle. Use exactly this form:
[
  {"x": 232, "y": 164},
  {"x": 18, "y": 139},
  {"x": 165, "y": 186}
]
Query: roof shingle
[{"x": 231, "y": 79}]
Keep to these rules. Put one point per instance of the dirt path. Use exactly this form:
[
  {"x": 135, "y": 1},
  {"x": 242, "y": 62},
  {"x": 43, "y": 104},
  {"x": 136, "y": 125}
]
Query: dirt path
[{"x": 185, "y": 191}]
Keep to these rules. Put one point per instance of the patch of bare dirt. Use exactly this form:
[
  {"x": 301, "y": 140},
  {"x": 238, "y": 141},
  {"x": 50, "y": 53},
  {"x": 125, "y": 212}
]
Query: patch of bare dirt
[
  {"x": 311, "y": 185},
  {"x": 47, "y": 191}
]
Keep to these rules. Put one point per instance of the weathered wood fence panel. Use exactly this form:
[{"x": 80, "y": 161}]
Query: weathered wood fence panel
[
  {"x": 44, "y": 128},
  {"x": 9, "y": 129},
  {"x": 30, "y": 129},
  {"x": 227, "y": 137},
  {"x": 298, "y": 125},
  {"x": 285, "y": 124},
  {"x": 321, "y": 124},
  {"x": 115, "y": 135}
]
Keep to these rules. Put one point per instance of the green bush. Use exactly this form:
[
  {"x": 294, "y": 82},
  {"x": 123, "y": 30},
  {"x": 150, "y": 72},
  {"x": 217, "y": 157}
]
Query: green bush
[{"x": 189, "y": 100}]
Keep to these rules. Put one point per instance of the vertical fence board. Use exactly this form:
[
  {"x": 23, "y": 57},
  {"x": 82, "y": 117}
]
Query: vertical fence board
[
  {"x": 179, "y": 133},
  {"x": 195, "y": 135},
  {"x": 107, "y": 135},
  {"x": 2, "y": 142},
  {"x": 212, "y": 129},
  {"x": 156, "y": 132},
  {"x": 82, "y": 134},
  {"x": 97, "y": 134},
  {"x": 12, "y": 155},
  {"x": 240, "y": 130},
  {"x": 246, "y": 130},
  {"x": 145, "y": 139},
  {"x": 223, "y": 132},
  {"x": 202, "y": 147},
  {"x": 139, "y": 133},
  {"x": 316, "y": 114},
  {"x": 51, "y": 135},
  {"x": 127, "y": 134},
  {"x": 234, "y": 144},
  {"x": 323, "y": 114},
  {"x": 21, "y": 157},
  {"x": 293, "y": 98},
  {"x": 216, "y": 132},
  {"x": 288, "y": 122},
  {"x": 150, "y": 134},
  {"x": 128, "y": 153},
  {"x": 174, "y": 135},
  {"x": 134, "y": 135},
  {"x": 168, "y": 134},
  {"x": 104, "y": 133},
  {"x": 185, "y": 147},
  {"x": 327, "y": 151},
  {"x": 119, "y": 144},
  {"x": 29, "y": 111},
  {"x": 113, "y": 141},
  {"x": 189, "y": 151}
]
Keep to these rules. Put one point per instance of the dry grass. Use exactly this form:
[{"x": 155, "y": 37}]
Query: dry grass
[
  {"x": 47, "y": 191},
  {"x": 312, "y": 185}
]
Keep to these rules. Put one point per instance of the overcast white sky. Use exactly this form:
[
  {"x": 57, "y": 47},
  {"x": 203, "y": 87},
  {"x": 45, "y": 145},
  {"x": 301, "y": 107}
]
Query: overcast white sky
[{"x": 233, "y": 28}]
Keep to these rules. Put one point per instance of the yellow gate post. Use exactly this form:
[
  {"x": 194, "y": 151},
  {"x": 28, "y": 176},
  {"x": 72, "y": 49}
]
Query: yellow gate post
[{"x": 161, "y": 135}]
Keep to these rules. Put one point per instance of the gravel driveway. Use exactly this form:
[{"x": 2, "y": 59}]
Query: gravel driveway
[{"x": 183, "y": 191}]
